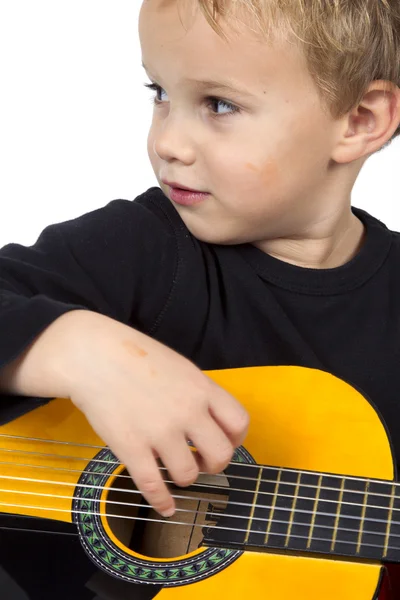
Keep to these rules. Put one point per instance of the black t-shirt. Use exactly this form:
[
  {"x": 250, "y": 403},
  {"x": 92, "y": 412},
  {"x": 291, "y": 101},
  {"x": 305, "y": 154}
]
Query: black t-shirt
[{"x": 220, "y": 306}]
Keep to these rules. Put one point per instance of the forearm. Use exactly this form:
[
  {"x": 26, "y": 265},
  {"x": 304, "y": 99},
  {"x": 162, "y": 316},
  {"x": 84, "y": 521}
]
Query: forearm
[{"x": 37, "y": 371}]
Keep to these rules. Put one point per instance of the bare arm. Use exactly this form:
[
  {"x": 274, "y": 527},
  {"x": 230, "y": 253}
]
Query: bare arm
[{"x": 142, "y": 398}]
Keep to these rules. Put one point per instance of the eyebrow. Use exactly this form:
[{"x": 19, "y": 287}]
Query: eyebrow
[{"x": 217, "y": 86}]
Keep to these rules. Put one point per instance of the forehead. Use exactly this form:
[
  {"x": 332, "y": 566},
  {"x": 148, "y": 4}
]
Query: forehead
[{"x": 177, "y": 40}]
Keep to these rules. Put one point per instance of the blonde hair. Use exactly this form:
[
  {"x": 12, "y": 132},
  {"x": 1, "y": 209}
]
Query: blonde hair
[{"x": 347, "y": 43}]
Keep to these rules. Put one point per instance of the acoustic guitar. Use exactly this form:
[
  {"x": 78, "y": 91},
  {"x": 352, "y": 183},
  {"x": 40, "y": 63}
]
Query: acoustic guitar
[{"x": 308, "y": 507}]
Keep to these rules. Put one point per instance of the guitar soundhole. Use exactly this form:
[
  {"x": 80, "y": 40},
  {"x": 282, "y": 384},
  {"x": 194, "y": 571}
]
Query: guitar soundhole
[{"x": 145, "y": 532}]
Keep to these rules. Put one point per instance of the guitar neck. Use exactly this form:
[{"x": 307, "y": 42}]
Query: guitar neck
[{"x": 302, "y": 511}]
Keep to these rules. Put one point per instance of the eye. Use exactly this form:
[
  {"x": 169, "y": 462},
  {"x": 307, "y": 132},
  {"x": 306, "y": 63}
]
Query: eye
[
  {"x": 156, "y": 88},
  {"x": 231, "y": 107},
  {"x": 210, "y": 101}
]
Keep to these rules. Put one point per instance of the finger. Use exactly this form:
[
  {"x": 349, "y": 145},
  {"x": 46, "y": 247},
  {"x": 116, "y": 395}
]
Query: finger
[
  {"x": 179, "y": 460},
  {"x": 201, "y": 464},
  {"x": 215, "y": 448},
  {"x": 230, "y": 415},
  {"x": 148, "y": 479}
]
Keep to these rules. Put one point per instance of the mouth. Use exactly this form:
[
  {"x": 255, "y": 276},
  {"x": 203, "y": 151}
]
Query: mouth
[
  {"x": 185, "y": 196},
  {"x": 178, "y": 186}
]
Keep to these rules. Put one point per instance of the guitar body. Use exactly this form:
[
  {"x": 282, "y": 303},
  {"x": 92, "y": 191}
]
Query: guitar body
[{"x": 300, "y": 418}]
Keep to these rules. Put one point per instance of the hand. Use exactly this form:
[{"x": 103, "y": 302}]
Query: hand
[{"x": 145, "y": 401}]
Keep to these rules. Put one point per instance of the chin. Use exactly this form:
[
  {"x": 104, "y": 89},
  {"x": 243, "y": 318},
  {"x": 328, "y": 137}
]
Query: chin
[
  {"x": 210, "y": 236},
  {"x": 208, "y": 228}
]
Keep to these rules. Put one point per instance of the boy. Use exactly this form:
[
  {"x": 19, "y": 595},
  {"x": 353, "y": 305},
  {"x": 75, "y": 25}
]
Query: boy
[{"x": 264, "y": 263}]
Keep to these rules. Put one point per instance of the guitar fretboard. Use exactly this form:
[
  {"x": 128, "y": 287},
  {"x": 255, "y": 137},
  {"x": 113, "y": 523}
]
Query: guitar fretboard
[{"x": 310, "y": 512}]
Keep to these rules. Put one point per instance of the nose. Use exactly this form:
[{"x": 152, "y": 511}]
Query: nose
[{"x": 172, "y": 141}]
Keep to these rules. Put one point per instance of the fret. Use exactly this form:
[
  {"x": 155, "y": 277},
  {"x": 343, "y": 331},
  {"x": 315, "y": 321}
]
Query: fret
[
  {"x": 325, "y": 515},
  {"x": 255, "y": 501},
  {"x": 392, "y": 538},
  {"x": 264, "y": 506},
  {"x": 376, "y": 519},
  {"x": 363, "y": 511},
  {"x": 304, "y": 513},
  {"x": 273, "y": 505},
  {"x": 314, "y": 511},
  {"x": 278, "y": 526},
  {"x": 338, "y": 509},
  {"x": 292, "y": 513},
  {"x": 337, "y": 516},
  {"x": 352, "y": 517},
  {"x": 389, "y": 522}
]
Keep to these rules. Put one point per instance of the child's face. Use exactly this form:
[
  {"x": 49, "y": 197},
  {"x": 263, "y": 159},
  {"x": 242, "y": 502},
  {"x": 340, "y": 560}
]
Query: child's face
[{"x": 268, "y": 168}]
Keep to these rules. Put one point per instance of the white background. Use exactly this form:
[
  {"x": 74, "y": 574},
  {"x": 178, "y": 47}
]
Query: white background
[{"x": 74, "y": 117}]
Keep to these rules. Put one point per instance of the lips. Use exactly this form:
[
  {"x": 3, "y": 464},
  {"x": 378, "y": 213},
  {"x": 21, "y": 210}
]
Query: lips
[
  {"x": 179, "y": 186},
  {"x": 186, "y": 197}
]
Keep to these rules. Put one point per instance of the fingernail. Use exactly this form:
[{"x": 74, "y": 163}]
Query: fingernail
[{"x": 168, "y": 513}]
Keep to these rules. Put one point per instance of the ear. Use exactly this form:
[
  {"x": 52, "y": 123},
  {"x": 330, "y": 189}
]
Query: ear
[{"x": 371, "y": 124}]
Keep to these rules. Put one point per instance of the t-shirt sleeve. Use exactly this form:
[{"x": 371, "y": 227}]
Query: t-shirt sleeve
[{"x": 118, "y": 261}]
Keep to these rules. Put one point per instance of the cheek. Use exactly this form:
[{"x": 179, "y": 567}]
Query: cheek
[
  {"x": 267, "y": 174},
  {"x": 257, "y": 177},
  {"x": 150, "y": 143},
  {"x": 154, "y": 160},
  {"x": 241, "y": 178}
]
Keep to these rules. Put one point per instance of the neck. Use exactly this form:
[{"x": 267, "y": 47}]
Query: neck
[
  {"x": 301, "y": 511},
  {"x": 330, "y": 241}
]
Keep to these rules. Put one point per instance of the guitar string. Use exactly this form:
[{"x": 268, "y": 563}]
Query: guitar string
[
  {"x": 236, "y": 464},
  {"x": 209, "y": 486},
  {"x": 202, "y": 485},
  {"x": 213, "y": 527},
  {"x": 223, "y": 476},
  {"x": 4, "y": 528},
  {"x": 177, "y": 496},
  {"x": 201, "y": 512}
]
